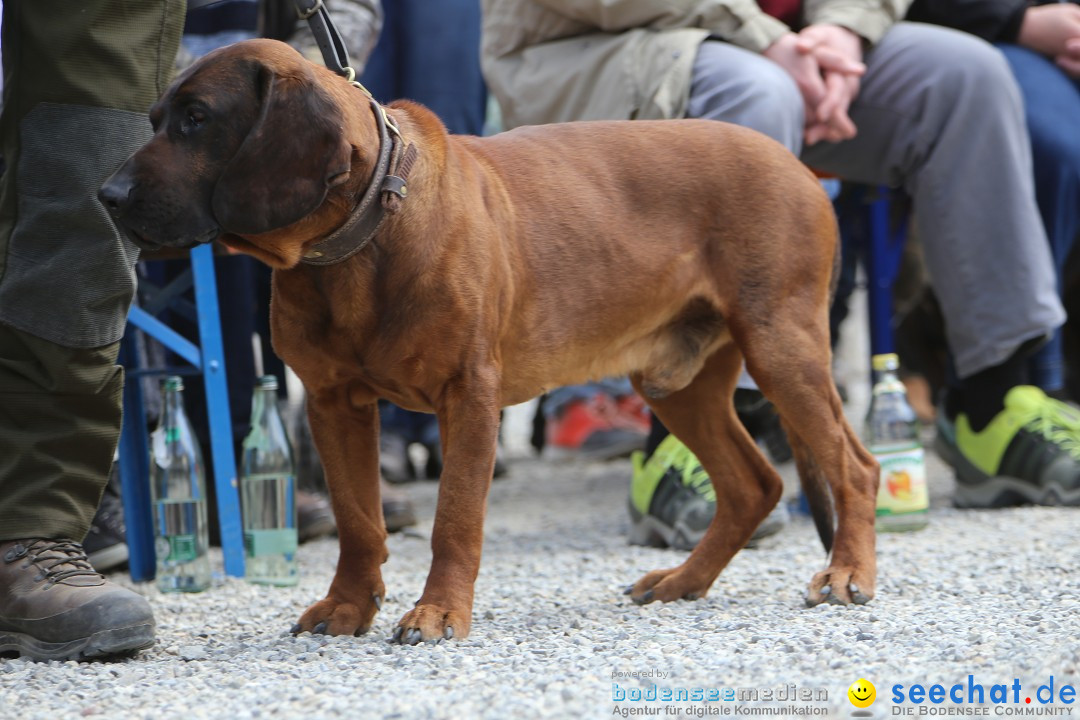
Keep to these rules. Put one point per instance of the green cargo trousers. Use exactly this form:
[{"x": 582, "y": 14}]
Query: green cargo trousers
[{"x": 79, "y": 78}]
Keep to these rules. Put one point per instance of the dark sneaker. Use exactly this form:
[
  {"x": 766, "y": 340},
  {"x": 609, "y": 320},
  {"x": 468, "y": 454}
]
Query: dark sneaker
[
  {"x": 397, "y": 508},
  {"x": 433, "y": 466},
  {"x": 1028, "y": 454},
  {"x": 55, "y": 606},
  {"x": 759, "y": 417},
  {"x": 394, "y": 462},
  {"x": 314, "y": 516},
  {"x": 672, "y": 500},
  {"x": 105, "y": 545}
]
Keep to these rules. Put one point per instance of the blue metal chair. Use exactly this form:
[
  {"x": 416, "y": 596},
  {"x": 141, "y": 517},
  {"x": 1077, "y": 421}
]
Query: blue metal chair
[
  {"x": 206, "y": 359},
  {"x": 882, "y": 257}
]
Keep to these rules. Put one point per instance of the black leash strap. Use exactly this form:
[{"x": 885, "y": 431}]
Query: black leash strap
[{"x": 326, "y": 35}]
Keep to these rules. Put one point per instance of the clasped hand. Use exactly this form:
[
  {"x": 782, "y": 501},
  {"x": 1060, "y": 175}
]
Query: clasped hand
[{"x": 826, "y": 63}]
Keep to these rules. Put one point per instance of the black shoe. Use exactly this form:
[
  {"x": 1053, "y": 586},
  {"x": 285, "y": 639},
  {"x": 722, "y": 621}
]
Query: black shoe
[
  {"x": 106, "y": 543},
  {"x": 759, "y": 418},
  {"x": 397, "y": 508},
  {"x": 55, "y": 606},
  {"x": 314, "y": 516}
]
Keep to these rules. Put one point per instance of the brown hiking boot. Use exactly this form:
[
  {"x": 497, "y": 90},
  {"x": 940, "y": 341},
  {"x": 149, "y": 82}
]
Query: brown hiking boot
[{"x": 55, "y": 606}]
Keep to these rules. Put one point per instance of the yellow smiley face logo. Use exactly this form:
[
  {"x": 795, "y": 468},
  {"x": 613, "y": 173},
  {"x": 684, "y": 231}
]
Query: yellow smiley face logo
[{"x": 862, "y": 693}]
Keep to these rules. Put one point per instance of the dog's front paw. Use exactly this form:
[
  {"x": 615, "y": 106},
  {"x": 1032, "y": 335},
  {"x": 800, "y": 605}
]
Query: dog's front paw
[
  {"x": 430, "y": 623},
  {"x": 666, "y": 586},
  {"x": 331, "y": 616},
  {"x": 840, "y": 585}
]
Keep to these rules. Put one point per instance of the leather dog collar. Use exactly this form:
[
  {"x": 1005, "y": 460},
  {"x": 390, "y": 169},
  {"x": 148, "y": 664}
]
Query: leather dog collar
[{"x": 387, "y": 186}]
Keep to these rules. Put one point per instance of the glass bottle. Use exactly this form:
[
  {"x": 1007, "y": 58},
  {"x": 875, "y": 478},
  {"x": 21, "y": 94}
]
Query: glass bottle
[
  {"x": 178, "y": 495},
  {"x": 892, "y": 436},
  {"x": 268, "y": 493}
]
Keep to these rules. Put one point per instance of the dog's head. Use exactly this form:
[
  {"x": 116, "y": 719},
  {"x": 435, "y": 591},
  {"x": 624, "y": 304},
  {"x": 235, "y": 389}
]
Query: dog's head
[{"x": 246, "y": 141}]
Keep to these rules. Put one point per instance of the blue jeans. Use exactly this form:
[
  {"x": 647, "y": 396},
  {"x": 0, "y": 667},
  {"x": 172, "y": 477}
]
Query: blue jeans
[
  {"x": 430, "y": 52},
  {"x": 1052, "y": 107}
]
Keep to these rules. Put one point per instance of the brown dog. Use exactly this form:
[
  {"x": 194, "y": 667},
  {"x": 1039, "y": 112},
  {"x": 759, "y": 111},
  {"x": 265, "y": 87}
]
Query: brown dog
[{"x": 459, "y": 275}]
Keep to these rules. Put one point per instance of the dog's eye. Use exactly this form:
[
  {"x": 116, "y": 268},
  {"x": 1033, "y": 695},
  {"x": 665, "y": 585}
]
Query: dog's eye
[{"x": 193, "y": 120}]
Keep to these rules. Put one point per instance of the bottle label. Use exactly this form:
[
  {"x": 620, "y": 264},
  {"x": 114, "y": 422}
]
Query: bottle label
[
  {"x": 903, "y": 482},
  {"x": 280, "y": 541},
  {"x": 176, "y": 548}
]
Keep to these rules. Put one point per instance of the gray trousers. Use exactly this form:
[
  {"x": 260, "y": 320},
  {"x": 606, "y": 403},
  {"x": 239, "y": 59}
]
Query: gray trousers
[{"x": 939, "y": 114}]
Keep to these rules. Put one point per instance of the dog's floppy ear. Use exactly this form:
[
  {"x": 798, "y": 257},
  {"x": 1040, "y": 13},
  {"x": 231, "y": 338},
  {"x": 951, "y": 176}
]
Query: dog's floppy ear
[{"x": 295, "y": 151}]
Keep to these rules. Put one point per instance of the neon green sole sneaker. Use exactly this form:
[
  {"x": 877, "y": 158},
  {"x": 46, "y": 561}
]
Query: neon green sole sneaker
[
  {"x": 1029, "y": 454},
  {"x": 672, "y": 500}
]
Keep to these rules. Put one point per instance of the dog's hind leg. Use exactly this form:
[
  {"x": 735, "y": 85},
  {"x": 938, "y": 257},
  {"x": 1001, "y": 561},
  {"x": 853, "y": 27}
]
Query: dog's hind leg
[
  {"x": 792, "y": 369},
  {"x": 747, "y": 486}
]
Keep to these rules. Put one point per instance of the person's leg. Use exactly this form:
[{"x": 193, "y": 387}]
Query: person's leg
[
  {"x": 429, "y": 53},
  {"x": 940, "y": 114},
  {"x": 439, "y": 52},
  {"x": 67, "y": 281},
  {"x": 741, "y": 87},
  {"x": 1051, "y": 105},
  {"x": 382, "y": 73}
]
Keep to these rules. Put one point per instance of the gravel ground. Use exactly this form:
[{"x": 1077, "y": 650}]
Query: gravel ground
[
  {"x": 988, "y": 594},
  {"x": 991, "y": 594}
]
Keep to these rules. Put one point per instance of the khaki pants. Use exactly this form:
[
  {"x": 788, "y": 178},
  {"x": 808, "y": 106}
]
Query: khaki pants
[{"x": 78, "y": 81}]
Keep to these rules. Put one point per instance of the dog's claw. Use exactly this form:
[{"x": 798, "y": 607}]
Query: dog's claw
[
  {"x": 319, "y": 629},
  {"x": 396, "y": 637},
  {"x": 378, "y": 601},
  {"x": 448, "y": 633},
  {"x": 628, "y": 589},
  {"x": 690, "y": 596},
  {"x": 858, "y": 596},
  {"x": 412, "y": 637},
  {"x": 644, "y": 599},
  {"x": 295, "y": 629}
]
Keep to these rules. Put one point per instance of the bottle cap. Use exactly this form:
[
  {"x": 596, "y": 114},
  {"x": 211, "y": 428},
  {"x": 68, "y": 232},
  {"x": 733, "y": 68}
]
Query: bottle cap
[
  {"x": 267, "y": 381},
  {"x": 174, "y": 382},
  {"x": 885, "y": 362}
]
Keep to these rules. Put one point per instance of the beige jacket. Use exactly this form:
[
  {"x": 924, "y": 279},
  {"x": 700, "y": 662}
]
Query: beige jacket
[{"x": 559, "y": 60}]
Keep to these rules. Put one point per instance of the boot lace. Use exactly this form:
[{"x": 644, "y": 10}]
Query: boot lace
[{"x": 57, "y": 560}]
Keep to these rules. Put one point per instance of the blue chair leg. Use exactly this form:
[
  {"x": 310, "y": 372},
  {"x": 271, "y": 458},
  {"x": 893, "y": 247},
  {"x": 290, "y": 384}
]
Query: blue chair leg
[
  {"x": 135, "y": 470},
  {"x": 882, "y": 265},
  {"x": 217, "y": 404}
]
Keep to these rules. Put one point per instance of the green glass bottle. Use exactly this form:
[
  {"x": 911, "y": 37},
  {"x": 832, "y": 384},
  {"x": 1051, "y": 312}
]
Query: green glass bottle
[
  {"x": 178, "y": 495},
  {"x": 892, "y": 436},
  {"x": 268, "y": 493}
]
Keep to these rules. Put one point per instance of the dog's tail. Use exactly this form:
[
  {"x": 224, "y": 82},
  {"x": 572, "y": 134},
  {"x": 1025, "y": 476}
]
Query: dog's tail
[{"x": 815, "y": 485}]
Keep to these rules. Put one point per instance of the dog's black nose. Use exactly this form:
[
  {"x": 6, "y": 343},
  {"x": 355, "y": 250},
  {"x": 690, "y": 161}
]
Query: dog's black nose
[{"x": 115, "y": 195}]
